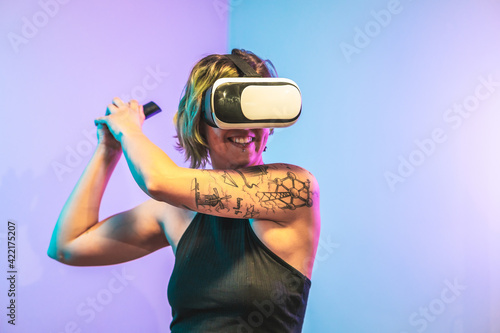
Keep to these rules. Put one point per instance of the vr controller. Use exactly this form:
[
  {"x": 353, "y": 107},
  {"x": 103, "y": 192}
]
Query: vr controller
[
  {"x": 250, "y": 101},
  {"x": 150, "y": 109}
]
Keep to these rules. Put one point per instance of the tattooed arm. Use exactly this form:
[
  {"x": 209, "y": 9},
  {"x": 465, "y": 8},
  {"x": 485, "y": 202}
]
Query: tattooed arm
[
  {"x": 276, "y": 192},
  {"x": 272, "y": 192}
]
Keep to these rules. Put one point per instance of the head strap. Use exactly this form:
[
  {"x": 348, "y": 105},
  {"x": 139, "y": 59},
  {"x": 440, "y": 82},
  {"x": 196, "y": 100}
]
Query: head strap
[{"x": 243, "y": 66}]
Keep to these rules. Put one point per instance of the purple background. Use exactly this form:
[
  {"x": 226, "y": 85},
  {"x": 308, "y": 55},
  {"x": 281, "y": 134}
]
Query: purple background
[{"x": 53, "y": 87}]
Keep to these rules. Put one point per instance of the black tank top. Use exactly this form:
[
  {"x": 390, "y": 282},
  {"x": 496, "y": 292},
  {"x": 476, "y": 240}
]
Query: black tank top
[{"x": 226, "y": 280}]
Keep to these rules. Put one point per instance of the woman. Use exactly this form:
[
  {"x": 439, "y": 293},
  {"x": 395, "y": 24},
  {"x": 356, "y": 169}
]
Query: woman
[{"x": 244, "y": 233}]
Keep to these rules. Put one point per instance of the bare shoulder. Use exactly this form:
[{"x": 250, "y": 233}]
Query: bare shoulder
[
  {"x": 294, "y": 237},
  {"x": 291, "y": 168},
  {"x": 290, "y": 187}
]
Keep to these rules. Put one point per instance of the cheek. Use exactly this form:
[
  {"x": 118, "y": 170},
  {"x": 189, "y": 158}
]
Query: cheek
[
  {"x": 265, "y": 136},
  {"x": 216, "y": 143},
  {"x": 213, "y": 136}
]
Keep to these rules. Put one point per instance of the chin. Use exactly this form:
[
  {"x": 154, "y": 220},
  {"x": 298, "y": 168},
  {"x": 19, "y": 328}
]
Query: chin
[
  {"x": 256, "y": 161},
  {"x": 242, "y": 163},
  {"x": 237, "y": 162}
]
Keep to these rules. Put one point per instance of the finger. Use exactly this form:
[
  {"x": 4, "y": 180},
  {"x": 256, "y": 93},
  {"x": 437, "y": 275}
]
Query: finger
[
  {"x": 111, "y": 109},
  {"x": 103, "y": 127},
  {"x": 141, "y": 111},
  {"x": 134, "y": 104},
  {"x": 100, "y": 121},
  {"x": 118, "y": 101}
]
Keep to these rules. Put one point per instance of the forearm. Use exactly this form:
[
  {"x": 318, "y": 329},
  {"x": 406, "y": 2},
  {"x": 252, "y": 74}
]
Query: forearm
[
  {"x": 81, "y": 210},
  {"x": 151, "y": 167}
]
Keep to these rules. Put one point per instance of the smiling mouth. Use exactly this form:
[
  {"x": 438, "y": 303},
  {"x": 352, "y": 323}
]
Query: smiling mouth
[{"x": 242, "y": 141}]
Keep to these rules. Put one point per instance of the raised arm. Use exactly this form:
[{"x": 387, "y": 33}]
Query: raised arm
[
  {"x": 80, "y": 239},
  {"x": 277, "y": 192}
]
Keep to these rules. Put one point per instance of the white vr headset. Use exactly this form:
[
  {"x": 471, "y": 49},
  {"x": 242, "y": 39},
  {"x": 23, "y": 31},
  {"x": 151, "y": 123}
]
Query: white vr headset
[{"x": 251, "y": 101}]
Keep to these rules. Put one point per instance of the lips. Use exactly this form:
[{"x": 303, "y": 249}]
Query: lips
[
  {"x": 241, "y": 141},
  {"x": 238, "y": 139}
]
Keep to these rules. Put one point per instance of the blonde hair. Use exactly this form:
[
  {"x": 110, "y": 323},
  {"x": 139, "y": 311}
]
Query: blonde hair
[{"x": 188, "y": 119}]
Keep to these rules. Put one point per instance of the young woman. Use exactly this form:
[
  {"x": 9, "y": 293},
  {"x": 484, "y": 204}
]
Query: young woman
[{"x": 244, "y": 233}]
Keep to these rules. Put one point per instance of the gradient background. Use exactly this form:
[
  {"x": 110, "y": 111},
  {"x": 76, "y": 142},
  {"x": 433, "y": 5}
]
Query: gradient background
[{"x": 387, "y": 253}]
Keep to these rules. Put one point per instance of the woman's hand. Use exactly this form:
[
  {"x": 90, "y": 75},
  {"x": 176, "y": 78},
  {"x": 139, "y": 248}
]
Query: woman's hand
[
  {"x": 121, "y": 119},
  {"x": 106, "y": 140}
]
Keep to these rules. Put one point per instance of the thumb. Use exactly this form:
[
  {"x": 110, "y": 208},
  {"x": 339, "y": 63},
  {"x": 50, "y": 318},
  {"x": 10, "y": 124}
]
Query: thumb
[{"x": 100, "y": 121}]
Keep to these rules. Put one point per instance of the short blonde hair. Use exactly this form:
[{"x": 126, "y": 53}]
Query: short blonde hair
[{"x": 188, "y": 119}]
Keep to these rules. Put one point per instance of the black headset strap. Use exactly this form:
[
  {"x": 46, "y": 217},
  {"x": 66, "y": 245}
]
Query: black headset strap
[
  {"x": 243, "y": 66},
  {"x": 247, "y": 71}
]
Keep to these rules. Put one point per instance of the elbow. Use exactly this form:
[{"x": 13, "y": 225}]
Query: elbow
[
  {"x": 61, "y": 255},
  {"x": 162, "y": 186},
  {"x": 52, "y": 253},
  {"x": 153, "y": 190},
  {"x": 56, "y": 254},
  {"x": 164, "y": 195},
  {"x": 156, "y": 189},
  {"x": 54, "y": 250}
]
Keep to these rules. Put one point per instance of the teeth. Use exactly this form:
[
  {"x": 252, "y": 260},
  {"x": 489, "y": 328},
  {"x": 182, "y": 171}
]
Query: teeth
[{"x": 242, "y": 140}]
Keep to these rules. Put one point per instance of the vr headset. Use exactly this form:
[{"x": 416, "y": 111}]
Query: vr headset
[{"x": 251, "y": 101}]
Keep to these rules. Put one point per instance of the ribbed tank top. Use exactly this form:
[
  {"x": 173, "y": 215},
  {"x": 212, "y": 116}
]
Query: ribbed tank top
[{"x": 226, "y": 280}]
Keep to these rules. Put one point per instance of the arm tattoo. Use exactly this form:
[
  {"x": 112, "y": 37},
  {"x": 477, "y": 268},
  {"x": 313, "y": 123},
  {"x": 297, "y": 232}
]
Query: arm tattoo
[
  {"x": 289, "y": 193},
  {"x": 253, "y": 171},
  {"x": 245, "y": 180},
  {"x": 238, "y": 201},
  {"x": 212, "y": 200},
  {"x": 251, "y": 212},
  {"x": 238, "y": 207},
  {"x": 228, "y": 179}
]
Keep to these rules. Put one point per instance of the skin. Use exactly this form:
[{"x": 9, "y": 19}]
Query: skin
[
  {"x": 239, "y": 186},
  {"x": 226, "y": 154}
]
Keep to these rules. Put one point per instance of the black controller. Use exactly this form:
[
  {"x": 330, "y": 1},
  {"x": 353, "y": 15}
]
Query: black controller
[{"x": 150, "y": 109}]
